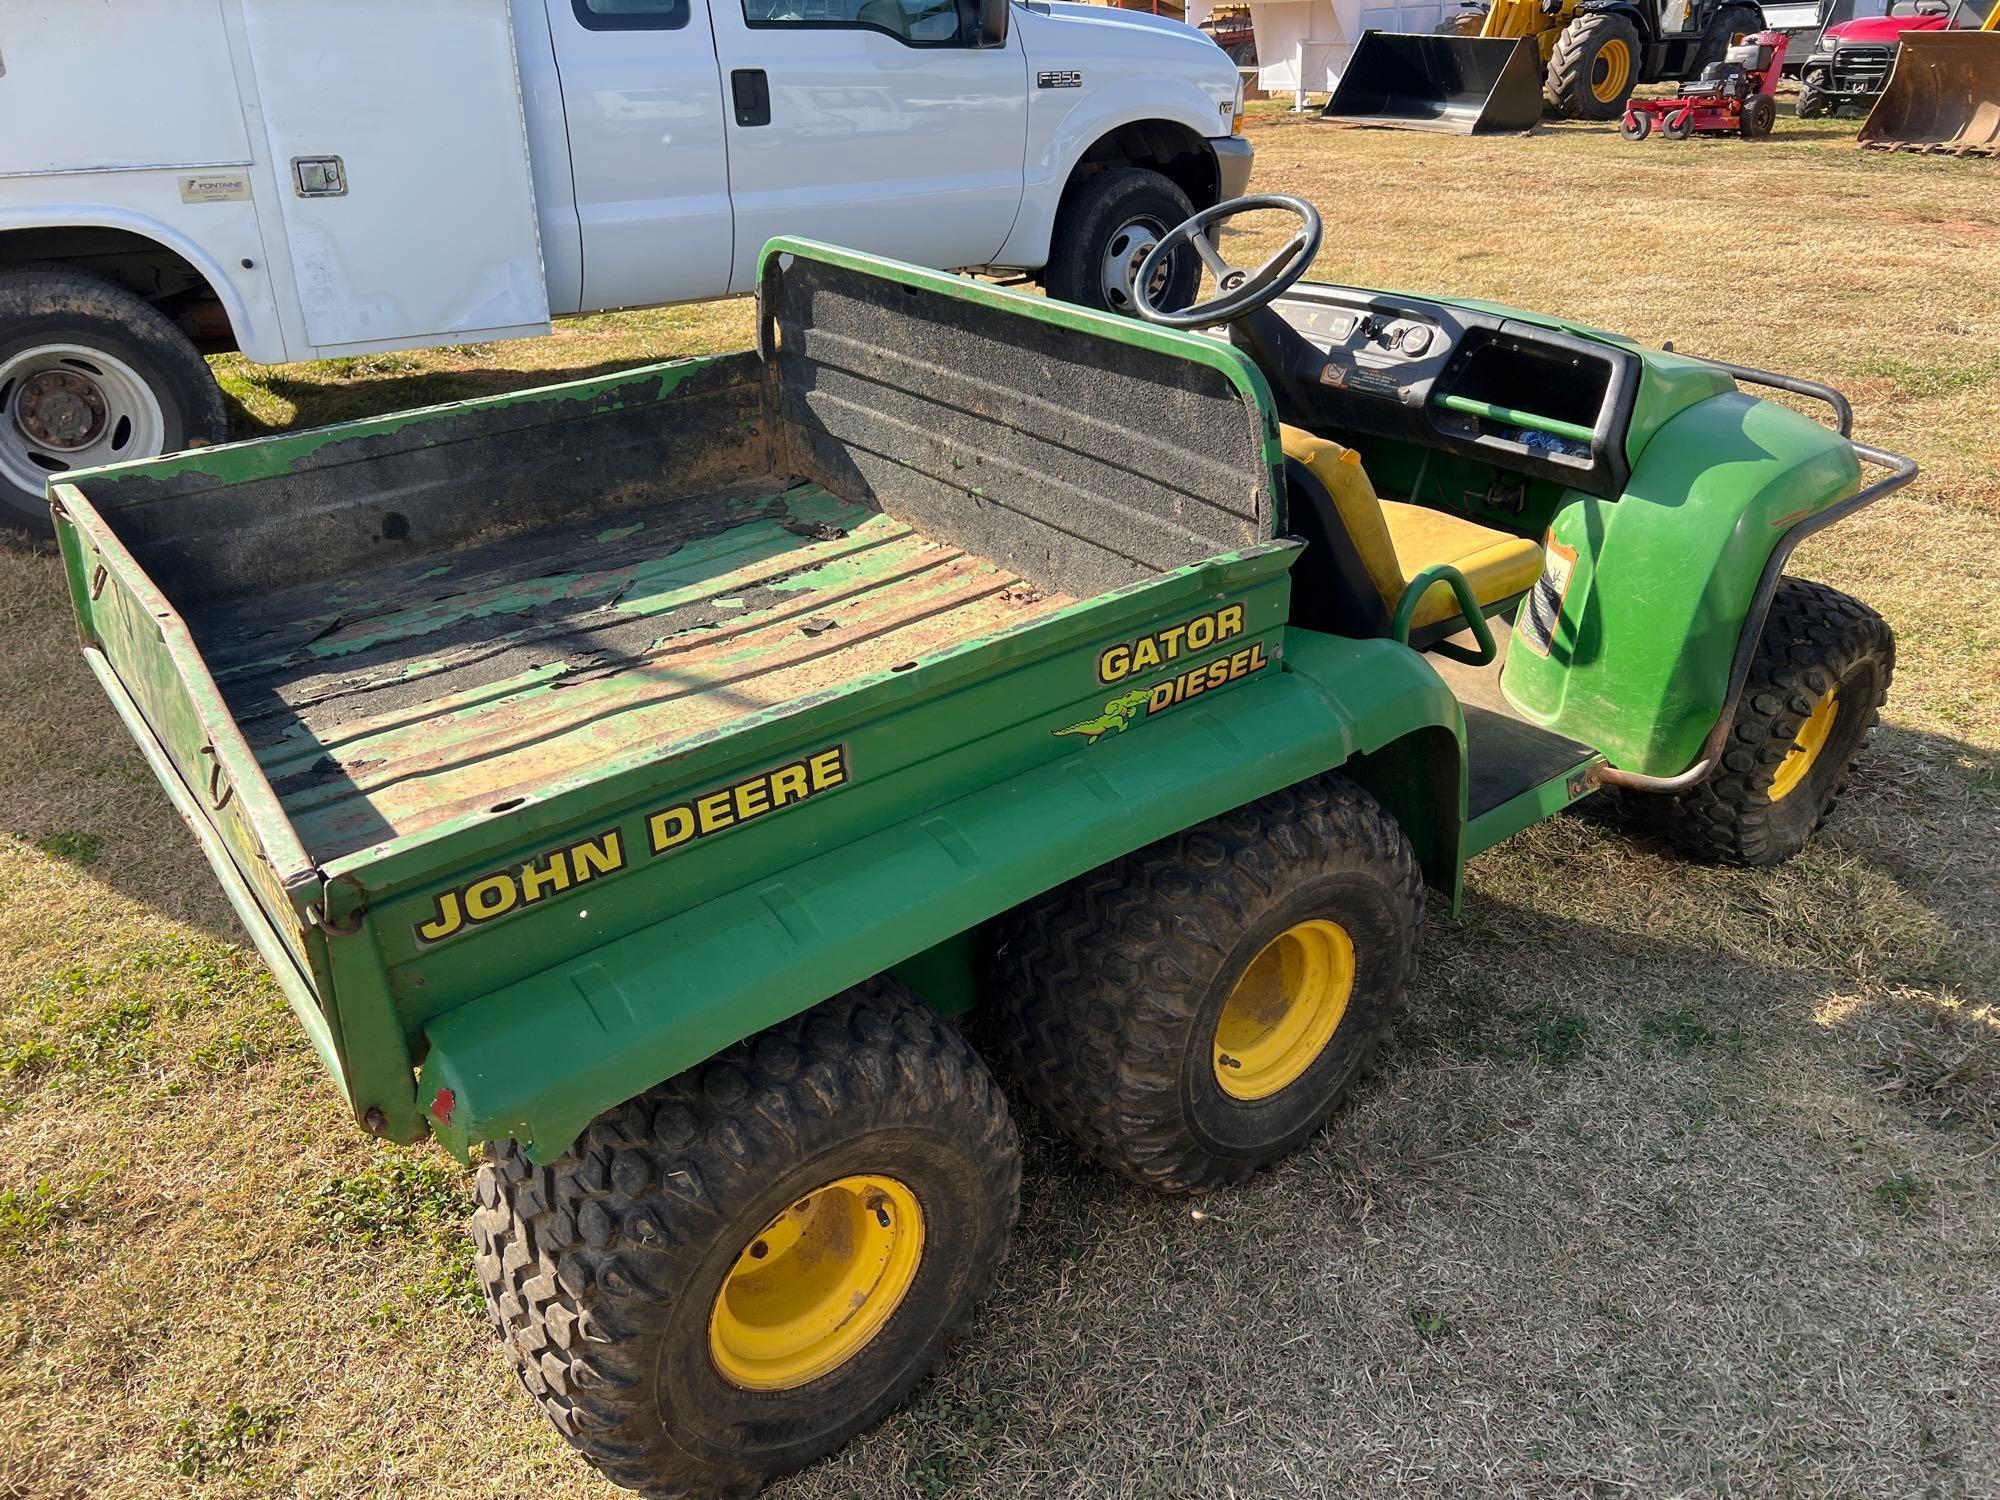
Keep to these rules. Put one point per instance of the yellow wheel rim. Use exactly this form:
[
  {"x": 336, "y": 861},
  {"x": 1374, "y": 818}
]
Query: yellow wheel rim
[
  {"x": 816, "y": 1283},
  {"x": 1284, "y": 1010},
  {"x": 1611, "y": 73},
  {"x": 1811, "y": 739}
]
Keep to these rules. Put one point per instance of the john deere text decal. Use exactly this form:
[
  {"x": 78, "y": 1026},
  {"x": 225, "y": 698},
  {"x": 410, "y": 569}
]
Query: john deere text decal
[{"x": 559, "y": 870}]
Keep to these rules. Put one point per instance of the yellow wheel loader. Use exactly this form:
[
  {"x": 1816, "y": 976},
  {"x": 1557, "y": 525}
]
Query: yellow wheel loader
[
  {"x": 1498, "y": 66},
  {"x": 1943, "y": 94}
]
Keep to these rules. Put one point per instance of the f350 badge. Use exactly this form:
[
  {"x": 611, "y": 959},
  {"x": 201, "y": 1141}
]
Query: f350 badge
[{"x": 1066, "y": 78}]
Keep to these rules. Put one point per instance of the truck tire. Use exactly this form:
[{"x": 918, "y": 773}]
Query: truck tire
[
  {"x": 1196, "y": 1009},
  {"x": 1105, "y": 227},
  {"x": 732, "y": 1274},
  {"x": 1730, "y": 21},
  {"x": 1594, "y": 67},
  {"x": 90, "y": 373},
  {"x": 1817, "y": 682}
]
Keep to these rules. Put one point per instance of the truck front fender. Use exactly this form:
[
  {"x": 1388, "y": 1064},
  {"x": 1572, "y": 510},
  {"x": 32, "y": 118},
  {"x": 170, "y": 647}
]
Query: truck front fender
[
  {"x": 538, "y": 1059},
  {"x": 253, "y": 315},
  {"x": 1172, "y": 101}
]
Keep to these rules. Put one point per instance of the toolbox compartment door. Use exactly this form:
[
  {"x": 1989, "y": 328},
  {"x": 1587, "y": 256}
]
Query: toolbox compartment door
[{"x": 396, "y": 135}]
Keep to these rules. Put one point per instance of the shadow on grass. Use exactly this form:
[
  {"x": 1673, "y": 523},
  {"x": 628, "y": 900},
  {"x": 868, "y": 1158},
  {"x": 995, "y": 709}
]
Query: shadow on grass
[{"x": 360, "y": 394}]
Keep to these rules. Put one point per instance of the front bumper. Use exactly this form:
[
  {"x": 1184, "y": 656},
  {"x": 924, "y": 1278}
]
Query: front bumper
[{"x": 1233, "y": 159}]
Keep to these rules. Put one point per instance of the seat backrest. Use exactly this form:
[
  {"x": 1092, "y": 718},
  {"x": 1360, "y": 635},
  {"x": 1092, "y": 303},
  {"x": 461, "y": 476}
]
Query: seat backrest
[{"x": 1340, "y": 470}]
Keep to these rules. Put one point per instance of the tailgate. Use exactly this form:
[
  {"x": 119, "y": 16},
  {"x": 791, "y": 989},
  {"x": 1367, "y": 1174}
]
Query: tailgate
[{"x": 142, "y": 653}]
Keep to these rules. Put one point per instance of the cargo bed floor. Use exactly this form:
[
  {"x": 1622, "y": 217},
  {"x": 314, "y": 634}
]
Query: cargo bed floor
[{"x": 399, "y": 699}]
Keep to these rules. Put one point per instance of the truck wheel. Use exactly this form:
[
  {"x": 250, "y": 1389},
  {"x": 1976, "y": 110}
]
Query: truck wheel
[
  {"x": 1593, "y": 67},
  {"x": 1820, "y": 675},
  {"x": 1812, "y": 102},
  {"x": 1109, "y": 223},
  {"x": 732, "y": 1274},
  {"x": 1196, "y": 1009},
  {"x": 90, "y": 374}
]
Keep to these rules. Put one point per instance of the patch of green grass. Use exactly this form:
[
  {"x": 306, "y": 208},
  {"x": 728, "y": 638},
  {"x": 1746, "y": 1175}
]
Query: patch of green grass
[
  {"x": 207, "y": 1445},
  {"x": 78, "y": 848},
  {"x": 28, "y": 1215},
  {"x": 1683, "y": 1031},
  {"x": 404, "y": 1196},
  {"x": 1430, "y": 1323},
  {"x": 959, "y": 1432},
  {"x": 1904, "y": 1195},
  {"x": 1478, "y": 1022}
]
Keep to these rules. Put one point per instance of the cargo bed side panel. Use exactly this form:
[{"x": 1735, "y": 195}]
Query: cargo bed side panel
[{"x": 138, "y": 641}]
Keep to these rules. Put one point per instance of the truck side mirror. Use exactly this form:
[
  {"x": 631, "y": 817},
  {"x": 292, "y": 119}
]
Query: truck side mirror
[{"x": 983, "y": 23}]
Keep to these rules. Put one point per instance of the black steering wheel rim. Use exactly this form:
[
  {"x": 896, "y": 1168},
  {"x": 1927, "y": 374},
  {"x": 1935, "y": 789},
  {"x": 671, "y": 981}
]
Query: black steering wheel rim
[{"x": 1243, "y": 292}]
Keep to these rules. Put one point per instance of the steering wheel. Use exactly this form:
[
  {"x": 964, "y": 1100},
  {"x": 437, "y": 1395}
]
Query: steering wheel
[{"x": 1241, "y": 291}]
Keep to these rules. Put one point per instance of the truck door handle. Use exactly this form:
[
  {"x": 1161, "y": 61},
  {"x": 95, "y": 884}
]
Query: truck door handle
[{"x": 750, "y": 89}]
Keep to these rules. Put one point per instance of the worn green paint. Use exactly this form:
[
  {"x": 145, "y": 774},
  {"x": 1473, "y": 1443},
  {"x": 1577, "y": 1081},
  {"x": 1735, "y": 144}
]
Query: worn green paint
[
  {"x": 538, "y": 1058},
  {"x": 1639, "y": 664}
]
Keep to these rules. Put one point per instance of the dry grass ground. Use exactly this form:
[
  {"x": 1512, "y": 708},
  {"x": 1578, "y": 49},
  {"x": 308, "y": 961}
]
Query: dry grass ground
[{"x": 1677, "y": 1181}]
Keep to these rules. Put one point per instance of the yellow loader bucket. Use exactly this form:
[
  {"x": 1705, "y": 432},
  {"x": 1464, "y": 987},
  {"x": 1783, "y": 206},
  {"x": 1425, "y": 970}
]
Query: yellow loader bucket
[
  {"x": 1943, "y": 95},
  {"x": 1467, "y": 85}
]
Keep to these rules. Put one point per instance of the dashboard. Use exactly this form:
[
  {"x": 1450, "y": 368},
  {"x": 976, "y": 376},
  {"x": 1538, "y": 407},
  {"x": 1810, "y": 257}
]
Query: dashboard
[{"x": 1526, "y": 398}]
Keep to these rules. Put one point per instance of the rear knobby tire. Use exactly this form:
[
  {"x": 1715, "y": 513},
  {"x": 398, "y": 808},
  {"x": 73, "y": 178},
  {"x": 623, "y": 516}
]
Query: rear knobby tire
[
  {"x": 1109, "y": 989},
  {"x": 1574, "y": 61},
  {"x": 1815, "y": 639},
  {"x": 602, "y": 1267}
]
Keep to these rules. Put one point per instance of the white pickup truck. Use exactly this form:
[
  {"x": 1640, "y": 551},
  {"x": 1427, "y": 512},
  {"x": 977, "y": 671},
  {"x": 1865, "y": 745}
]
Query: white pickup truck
[{"x": 305, "y": 178}]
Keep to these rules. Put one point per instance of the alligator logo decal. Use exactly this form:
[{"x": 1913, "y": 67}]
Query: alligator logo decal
[{"x": 1116, "y": 718}]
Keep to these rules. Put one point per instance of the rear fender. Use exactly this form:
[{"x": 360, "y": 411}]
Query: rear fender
[{"x": 539, "y": 1058}]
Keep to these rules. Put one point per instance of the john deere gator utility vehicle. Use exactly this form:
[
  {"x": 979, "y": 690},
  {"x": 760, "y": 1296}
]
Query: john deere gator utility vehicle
[
  {"x": 630, "y": 780},
  {"x": 1495, "y": 65}
]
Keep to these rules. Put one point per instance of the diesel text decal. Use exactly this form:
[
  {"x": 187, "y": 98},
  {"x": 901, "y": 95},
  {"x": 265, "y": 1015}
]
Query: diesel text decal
[{"x": 572, "y": 865}]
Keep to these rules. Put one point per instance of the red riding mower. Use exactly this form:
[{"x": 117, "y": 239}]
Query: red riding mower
[{"x": 1737, "y": 94}]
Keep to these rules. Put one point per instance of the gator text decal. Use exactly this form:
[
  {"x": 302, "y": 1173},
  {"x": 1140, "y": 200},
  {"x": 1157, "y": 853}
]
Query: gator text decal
[
  {"x": 1149, "y": 652},
  {"x": 576, "y": 864}
]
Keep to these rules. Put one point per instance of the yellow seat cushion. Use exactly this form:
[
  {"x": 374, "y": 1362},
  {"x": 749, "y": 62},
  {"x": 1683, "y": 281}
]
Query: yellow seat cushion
[
  {"x": 1396, "y": 541},
  {"x": 1497, "y": 564}
]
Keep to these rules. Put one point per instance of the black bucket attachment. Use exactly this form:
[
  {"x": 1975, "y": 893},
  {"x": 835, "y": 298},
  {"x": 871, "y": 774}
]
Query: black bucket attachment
[
  {"x": 1943, "y": 96},
  {"x": 1468, "y": 85}
]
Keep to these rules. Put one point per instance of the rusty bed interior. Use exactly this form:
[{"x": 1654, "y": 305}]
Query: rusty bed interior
[{"x": 429, "y": 618}]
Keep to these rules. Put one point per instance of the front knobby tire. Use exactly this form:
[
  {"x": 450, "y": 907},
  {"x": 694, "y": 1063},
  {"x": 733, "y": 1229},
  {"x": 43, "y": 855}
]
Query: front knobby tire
[
  {"x": 623, "y": 1276},
  {"x": 1816, "y": 686},
  {"x": 1124, "y": 999}
]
